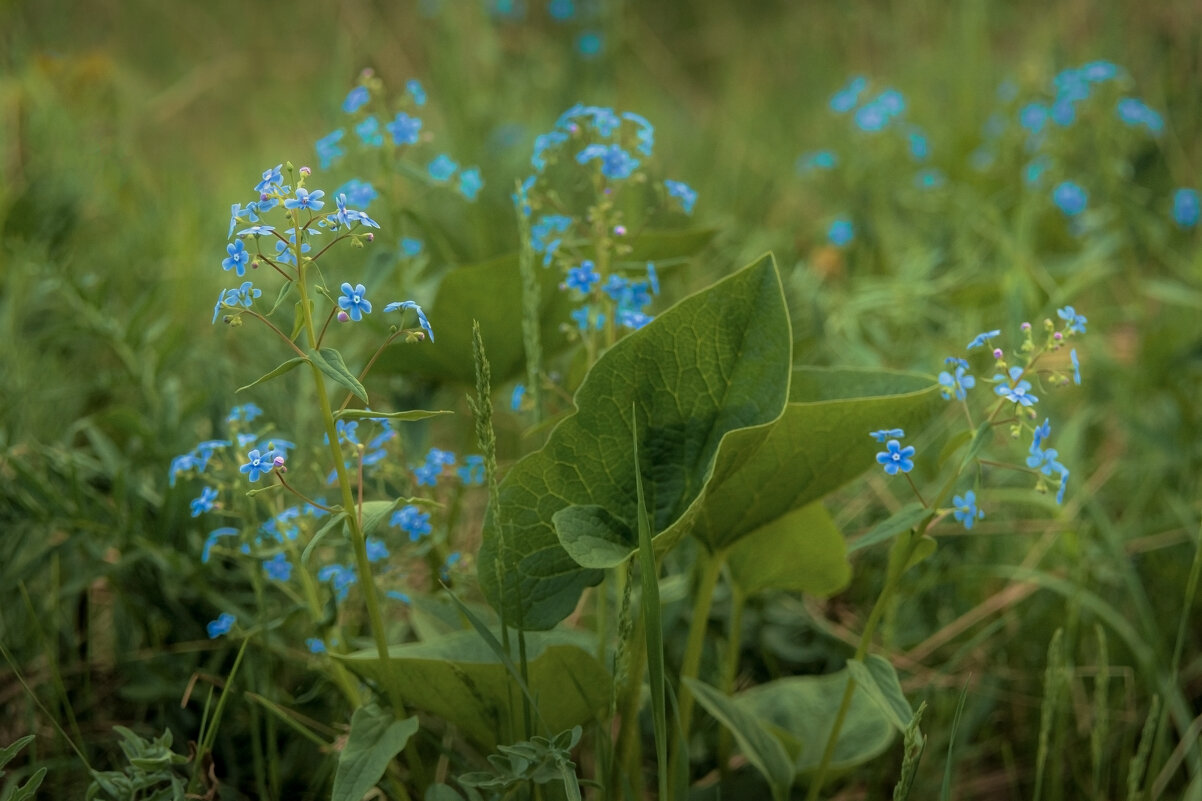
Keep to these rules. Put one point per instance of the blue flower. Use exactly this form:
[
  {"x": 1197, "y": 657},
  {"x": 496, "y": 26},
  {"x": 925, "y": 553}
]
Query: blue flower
[
  {"x": 237, "y": 212},
  {"x": 256, "y": 230},
  {"x": 415, "y": 90},
  {"x": 411, "y": 520},
  {"x": 840, "y": 232},
  {"x": 1033, "y": 117},
  {"x": 871, "y": 117},
  {"x": 397, "y": 595},
  {"x": 1063, "y": 484},
  {"x": 632, "y": 318},
  {"x": 315, "y": 645},
  {"x": 278, "y": 568},
  {"x": 271, "y": 178},
  {"x": 405, "y": 130},
  {"x": 1070, "y": 198},
  {"x": 246, "y": 413},
  {"x": 1043, "y": 460},
  {"x": 1185, "y": 207},
  {"x": 1035, "y": 169},
  {"x": 354, "y": 301},
  {"x": 547, "y": 226},
  {"x": 237, "y": 259},
  {"x": 588, "y": 44},
  {"x": 957, "y": 384},
  {"x": 1134, "y": 112},
  {"x": 257, "y": 464},
  {"x": 470, "y": 183},
  {"x": 846, "y": 98},
  {"x": 896, "y": 458},
  {"x": 244, "y": 294},
  {"x": 355, "y": 99},
  {"x": 582, "y": 278},
  {"x": 211, "y": 540},
  {"x": 561, "y": 10},
  {"x": 543, "y": 143},
  {"x": 222, "y": 625},
  {"x": 1098, "y": 71},
  {"x": 616, "y": 163},
  {"x": 360, "y": 193},
  {"x": 1040, "y": 434},
  {"x": 442, "y": 168},
  {"x": 1017, "y": 391},
  {"x": 204, "y": 503},
  {"x": 515, "y": 398},
  {"x": 421, "y": 315},
  {"x": 817, "y": 160},
  {"x": 681, "y": 190},
  {"x": 645, "y": 133},
  {"x": 919, "y": 147},
  {"x": 1072, "y": 355},
  {"x": 887, "y": 433},
  {"x": 930, "y": 178},
  {"x": 966, "y": 510},
  {"x": 582, "y": 316},
  {"x": 410, "y": 246},
  {"x": 615, "y": 287},
  {"x": 983, "y": 338},
  {"x": 472, "y": 471},
  {"x": 427, "y": 475},
  {"x": 369, "y": 132},
  {"x": 452, "y": 559},
  {"x": 327, "y": 148},
  {"x": 376, "y": 550},
  {"x": 1064, "y": 113},
  {"x": 1076, "y": 322},
  {"x": 306, "y": 200},
  {"x": 342, "y": 577}
]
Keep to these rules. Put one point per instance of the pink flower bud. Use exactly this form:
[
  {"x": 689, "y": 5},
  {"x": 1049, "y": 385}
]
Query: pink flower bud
[
  {"x": 306, "y": 171},
  {"x": 278, "y": 462},
  {"x": 997, "y": 353},
  {"x": 343, "y": 317},
  {"x": 619, "y": 230},
  {"x": 1058, "y": 336},
  {"x": 371, "y": 237},
  {"x": 254, "y": 265},
  {"x": 1026, "y": 326}
]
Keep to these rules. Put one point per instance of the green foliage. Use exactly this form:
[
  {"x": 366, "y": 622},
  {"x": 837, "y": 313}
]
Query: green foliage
[
  {"x": 150, "y": 774},
  {"x": 13, "y": 791},
  {"x": 538, "y": 760},
  {"x": 376, "y": 737}
]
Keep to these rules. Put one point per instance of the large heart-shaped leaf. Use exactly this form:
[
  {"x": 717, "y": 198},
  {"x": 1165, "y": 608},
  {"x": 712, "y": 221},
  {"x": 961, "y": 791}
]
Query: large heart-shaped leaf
[
  {"x": 801, "y": 551},
  {"x": 376, "y": 737},
  {"x": 460, "y": 679},
  {"x": 715, "y": 363}
]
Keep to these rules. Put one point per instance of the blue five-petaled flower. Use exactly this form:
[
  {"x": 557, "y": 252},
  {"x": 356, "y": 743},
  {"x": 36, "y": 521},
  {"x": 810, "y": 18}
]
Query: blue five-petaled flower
[
  {"x": 306, "y": 200},
  {"x": 966, "y": 510},
  {"x": 401, "y": 305},
  {"x": 895, "y": 458},
  {"x": 354, "y": 301},
  {"x": 1017, "y": 391},
  {"x": 238, "y": 257},
  {"x": 257, "y": 464},
  {"x": 222, "y": 625}
]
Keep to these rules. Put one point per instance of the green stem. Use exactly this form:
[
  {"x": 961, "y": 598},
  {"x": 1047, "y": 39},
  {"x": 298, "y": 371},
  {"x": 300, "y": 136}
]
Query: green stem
[
  {"x": 730, "y": 666},
  {"x": 690, "y": 666}
]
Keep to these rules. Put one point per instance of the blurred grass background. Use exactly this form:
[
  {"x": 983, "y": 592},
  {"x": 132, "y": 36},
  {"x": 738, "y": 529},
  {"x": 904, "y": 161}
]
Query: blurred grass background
[{"x": 127, "y": 129}]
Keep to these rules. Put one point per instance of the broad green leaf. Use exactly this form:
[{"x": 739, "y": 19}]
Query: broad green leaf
[
  {"x": 330, "y": 362},
  {"x": 801, "y": 551},
  {"x": 761, "y": 747},
  {"x": 376, "y": 738},
  {"x": 801, "y": 710},
  {"x": 714, "y": 363},
  {"x": 459, "y": 679},
  {"x": 375, "y": 516},
  {"x": 592, "y": 536},
  {"x": 406, "y": 416},
  {"x": 876, "y": 676},
  {"x": 904, "y": 519},
  {"x": 286, "y": 367}
]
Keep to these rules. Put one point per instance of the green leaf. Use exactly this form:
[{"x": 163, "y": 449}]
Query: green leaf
[
  {"x": 8, "y": 752},
  {"x": 27, "y": 790},
  {"x": 375, "y": 513},
  {"x": 801, "y": 551},
  {"x": 406, "y": 416},
  {"x": 330, "y": 362},
  {"x": 904, "y": 519},
  {"x": 715, "y": 362},
  {"x": 286, "y": 367},
  {"x": 592, "y": 536},
  {"x": 876, "y": 676},
  {"x": 760, "y": 745},
  {"x": 441, "y": 792},
  {"x": 376, "y": 738},
  {"x": 459, "y": 679}
]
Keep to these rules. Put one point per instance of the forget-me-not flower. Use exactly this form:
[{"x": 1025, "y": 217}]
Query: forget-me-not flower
[
  {"x": 222, "y": 625},
  {"x": 895, "y": 458},
  {"x": 966, "y": 510},
  {"x": 237, "y": 259},
  {"x": 354, "y": 301},
  {"x": 1017, "y": 391},
  {"x": 684, "y": 192},
  {"x": 401, "y": 305}
]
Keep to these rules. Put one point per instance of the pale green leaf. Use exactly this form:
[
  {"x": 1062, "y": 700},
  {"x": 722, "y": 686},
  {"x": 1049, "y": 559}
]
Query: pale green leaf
[{"x": 376, "y": 738}]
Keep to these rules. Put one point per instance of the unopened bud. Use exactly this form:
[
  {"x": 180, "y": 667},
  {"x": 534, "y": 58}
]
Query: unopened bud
[
  {"x": 1058, "y": 336},
  {"x": 997, "y": 353},
  {"x": 343, "y": 317},
  {"x": 371, "y": 237},
  {"x": 1025, "y": 326},
  {"x": 306, "y": 171},
  {"x": 619, "y": 230},
  {"x": 254, "y": 265}
]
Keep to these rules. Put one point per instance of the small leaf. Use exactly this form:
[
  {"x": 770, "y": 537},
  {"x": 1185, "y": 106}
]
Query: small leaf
[
  {"x": 330, "y": 362},
  {"x": 904, "y": 519},
  {"x": 376, "y": 737},
  {"x": 406, "y": 416},
  {"x": 286, "y": 367}
]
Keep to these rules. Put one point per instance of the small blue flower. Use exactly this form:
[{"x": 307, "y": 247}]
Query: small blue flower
[
  {"x": 1036, "y": 168},
  {"x": 205, "y": 503},
  {"x": 405, "y": 130},
  {"x": 1016, "y": 391},
  {"x": 1064, "y": 113},
  {"x": 1134, "y": 112},
  {"x": 442, "y": 168},
  {"x": 896, "y": 458},
  {"x": 543, "y": 143},
  {"x": 427, "y": 475},
  {"x": 632, "y": 318},
  {"x": 547, "y": 226},
  {"x": 470, "y": 183},
  {"x": 956, "y": 384},
  {"x": 397, "y": 595},
  {"x": 354, "y": 301},
  {"x": 840, "y": 232},
  {"x": 452, "y": 559},
  {"x": 887, "y": 433},
  {"x": 1043, "y": 460},
  {"x": 588, "y": 44},
  {"x": 415, "y": 90},
  {"x": 341, "y": 576},
  {"x": 271, "y": 178},
  {"x": 306, "y": 200},
  {"x": 561, "y": 10},
  {"x": 1070, "y": 198},
  {"x": 472, "y": 471},
  {"x": 1063, "y": 484},
  {"x": 376, "y": 550},
  {"x": 817, "y": 160},
  {"x": 919, "y": 147},
  {"x": 245, "y": 294},
  {"x": 582, "y": 278},
  {"x": 222, "y": 625},
  {"x": 966, "y": 510},
  {"x": 328, "y": 150},
  {"x": 1033, "y": 117},
  {"x": 247, "y": 413},
  {"x": 930, "y": 178},
  {"x": 413, "y": 521},
  {"x": 237, "y": 259},
  {"x": 983, "y": 338},
  {"x": 871, "y": 117},
  {"x": 645, "y": 133},
  {"x": 257, "y": 464},
  {"x": 411, "y": 247},
  {"x": 616, "y": 163},
  {"x": 256, "y": 230},
  {"x": 1040, "y": 434},
  {"x": 315, "y": 645},
  {"x": 401, "y": 305},
  {"x": 369, "y": 132},
  {"x": 1186, "y": 208},
  {"x": 355, "y": 99},
  {"x": 237, "y": 212},
  {"x": 682, "y": 191},
  {"x": 1076, "y": 322},
  {"x": 515, "y": 398},
  {"x": 1072, "y": 355},
  {"x": 211, "y": 540},
  {"x": 358, "y": 192},
  {"x": 846, "y": 98},
  {"x": 278, "y": 568}
]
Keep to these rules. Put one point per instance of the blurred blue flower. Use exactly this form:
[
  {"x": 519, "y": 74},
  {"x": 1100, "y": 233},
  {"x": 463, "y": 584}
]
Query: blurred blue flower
[
  {"x": 442, "y": 168},
  {"x": 376, "y": 550},
  {"x": 871, "y": 117},
  {"x": 1035, "y": 169},
  {"x": 616, "y": 163},
  {"x": 930, "y": 178},
  {"x": 547, "y": 226},
  {"x": 1134, "y": 112},
  {"x": 278, "y": 568},
  {"x": 682, "y": 191},
  {"x": 211, "y": 540},
  {"x": 208, "y": 497},
  {"x": 846, "y": 98},
  {"x": 356, "y": 99},
  {"x": 966, "y": 510},
  {"x": 1017, "y": 389},
  {"x": 588, "y": 44},
  {"x": 919, "y": 147},
  {"x": 405, "y": 130},
  {"x": 415, "y": 90},
  {"x": 354, "y": 301},
  {"x": 543, "y": 143},
  {"x": 887, "y": 434},
  {"x": 1064, "y": 113},
  {"x": 1063, "y": 483},
  {"x": 412, "y": 521},
  {"x": 645, "y": 133},
  {"x": 817, "y": 160},
  {"x": 1185, "y": 207},
  {"x": 515, "y": 399},
  {"x": 369, "y": 132},
  {"x": 1033, "y": 117},
  {"x": 1070, "y": 198},
  {"x": 222, "y": 625},
  {"x": 328, "y": 150},
  {"x": 470, "y": 183},
  {"x": 561, "y": 10},
  {"x": 472, "y": 471},
  {"x": 341, "y": 576},
  {"x": 652, "y": 277},
  {"x": 410, "y": 246},
  {"x": 1072, "y": 355},
  {"x": 315, "y": 645},
  {"x": 1076, "y": 322},
  {"x": 402, "y": 305},
  {"x": 895, "y": 458},
  {"x": 582, "y": 278},
  {"x": 840, "y": 232}
]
